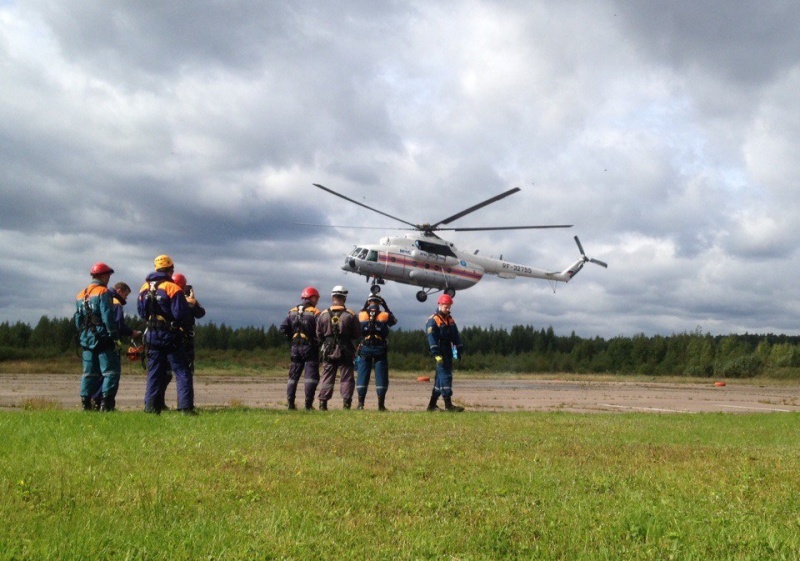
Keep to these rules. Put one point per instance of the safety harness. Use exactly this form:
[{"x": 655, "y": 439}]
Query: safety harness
[
  {"x": 90, "y": 319},
  {"x": 331, "y": 344},
  {"x": 154, "y": 319},
  {"x": 299, "y": 336},
  {"x": 372, "y": 336},
  {"x": 336, "y": 318}
]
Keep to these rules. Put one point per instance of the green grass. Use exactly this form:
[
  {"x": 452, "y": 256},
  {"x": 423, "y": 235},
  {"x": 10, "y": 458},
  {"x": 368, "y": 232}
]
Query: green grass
[{"x": 246, "y": 484}]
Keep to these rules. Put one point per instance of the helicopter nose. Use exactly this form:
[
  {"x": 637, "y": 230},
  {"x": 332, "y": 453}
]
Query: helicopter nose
[{"x": 350, "y": 262}]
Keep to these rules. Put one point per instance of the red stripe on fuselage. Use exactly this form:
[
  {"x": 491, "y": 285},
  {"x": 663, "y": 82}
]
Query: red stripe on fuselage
[{"x": 416, "y": 264}]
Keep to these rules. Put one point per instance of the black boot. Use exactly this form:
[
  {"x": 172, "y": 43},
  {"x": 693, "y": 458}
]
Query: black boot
[
  {"x": 97, "y": 404},
  {"x": 310, "y": 404},
  {"x": 323, "y": 405},
  {"x": 381, "y": 403},
  {"x": 347, "y": 403},
  {"x": 448, "y": 406},
  {"x": 432, "y": 404},
  {"x": 152, "y": 406},
  {"x": 360, "y": 405},
  {"x": 86, "y": 403},
  {"x": 108, "y": 404},
  {"x": 291, "y": 406}
]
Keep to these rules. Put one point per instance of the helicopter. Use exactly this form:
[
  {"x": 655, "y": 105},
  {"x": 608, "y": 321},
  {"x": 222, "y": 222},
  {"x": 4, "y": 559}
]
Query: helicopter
[{"x": 424, "y": 259}]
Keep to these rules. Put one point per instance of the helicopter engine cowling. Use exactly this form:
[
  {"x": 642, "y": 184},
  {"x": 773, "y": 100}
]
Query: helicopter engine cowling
[{"x": 433, "y": 258}]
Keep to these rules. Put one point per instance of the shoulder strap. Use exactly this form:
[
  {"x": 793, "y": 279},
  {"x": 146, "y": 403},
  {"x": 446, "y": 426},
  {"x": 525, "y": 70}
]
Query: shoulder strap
[
  {"x": 336, "y": 318},
  {"x": 91, "y": 318},
  {"x": 152, "y": 299},
  {"x": 298, "y": 321}
]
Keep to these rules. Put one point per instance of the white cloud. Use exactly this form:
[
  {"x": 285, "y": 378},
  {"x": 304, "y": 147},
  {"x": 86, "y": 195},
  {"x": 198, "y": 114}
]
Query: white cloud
[{"x": 196, "y": 129}]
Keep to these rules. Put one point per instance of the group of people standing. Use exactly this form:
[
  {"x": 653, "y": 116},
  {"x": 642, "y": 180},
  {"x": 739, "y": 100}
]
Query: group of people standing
[
  {"x": 168, "y": 306},
  {"x": 346, "y": 342},
  {"x": 338, "y": 339}
]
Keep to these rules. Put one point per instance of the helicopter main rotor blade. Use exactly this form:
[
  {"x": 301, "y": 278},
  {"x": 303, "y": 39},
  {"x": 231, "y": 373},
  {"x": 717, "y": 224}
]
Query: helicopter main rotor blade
[
  {"x": 490, "y": 228},
  {"x": 474, "y": 208},
  {"x": 332, "y": 192},
  {"x": 384, "y": 228}
]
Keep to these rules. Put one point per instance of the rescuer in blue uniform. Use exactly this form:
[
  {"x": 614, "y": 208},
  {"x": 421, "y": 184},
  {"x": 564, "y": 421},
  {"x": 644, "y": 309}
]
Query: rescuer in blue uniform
[
  {"x": 197, "y": 312},
  {"x": 98, "y": 335},
  {"x": 187, "y": 334},
  {"x": 300, "y": 329},
  {"x": 162, "y": 304},
  {"x": 445, "y": 343},
  {"x": 119, "y": 295},
  {"x": 375, "y": 323}
]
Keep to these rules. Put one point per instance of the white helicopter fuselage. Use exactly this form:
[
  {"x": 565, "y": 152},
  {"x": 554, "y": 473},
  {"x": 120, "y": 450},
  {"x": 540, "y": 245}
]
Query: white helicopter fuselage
[
  {"x": 424, "y": 259},
  {"x": 432, "y": 263}
]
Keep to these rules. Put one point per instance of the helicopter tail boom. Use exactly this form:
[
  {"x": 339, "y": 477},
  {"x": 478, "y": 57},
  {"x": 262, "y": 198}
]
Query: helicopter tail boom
[{"x": 506, "y": 270}]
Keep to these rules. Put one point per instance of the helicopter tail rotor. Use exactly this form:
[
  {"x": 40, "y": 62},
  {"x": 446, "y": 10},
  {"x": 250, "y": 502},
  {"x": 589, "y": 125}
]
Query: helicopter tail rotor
[{"x": 589, "y": 259}]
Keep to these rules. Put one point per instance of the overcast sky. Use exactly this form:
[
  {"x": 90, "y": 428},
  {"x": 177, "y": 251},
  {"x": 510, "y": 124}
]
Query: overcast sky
[{"x": 666, "y": 132}]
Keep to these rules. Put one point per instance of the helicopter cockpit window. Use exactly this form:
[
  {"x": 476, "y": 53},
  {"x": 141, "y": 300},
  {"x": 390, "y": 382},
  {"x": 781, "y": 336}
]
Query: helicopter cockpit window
[
  {"x": 362, "y": 254},
  {"x": 436, "y": 248},
  {"x": 355, "y": 252},
  {"x": 372, "y": 255}
]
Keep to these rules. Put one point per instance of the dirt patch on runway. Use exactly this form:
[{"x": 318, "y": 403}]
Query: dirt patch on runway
[{"x": 407, "y": 394}]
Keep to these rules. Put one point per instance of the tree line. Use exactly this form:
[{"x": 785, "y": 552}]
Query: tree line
[{"x": 521, "y": 349}]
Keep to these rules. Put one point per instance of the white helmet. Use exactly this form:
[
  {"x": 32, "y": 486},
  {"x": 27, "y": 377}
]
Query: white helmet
[{"x": 339, "y": 290}]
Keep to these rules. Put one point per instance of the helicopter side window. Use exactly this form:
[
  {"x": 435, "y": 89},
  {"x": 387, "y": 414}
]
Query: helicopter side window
[
  {"x": 372, "y": 255},
  {"x": 363, "y": 254}
]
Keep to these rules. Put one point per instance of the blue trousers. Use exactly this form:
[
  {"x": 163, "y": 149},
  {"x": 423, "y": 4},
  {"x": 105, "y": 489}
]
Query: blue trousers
[
  {"x": 101, "y": 371},
  {"x": 305, "y": 359},
  {"x": 159, "y": 362},
  {"x": 372, "y": 357},
  {"x": 443, "y": 384},
  {"x": 162, "y": 390}
]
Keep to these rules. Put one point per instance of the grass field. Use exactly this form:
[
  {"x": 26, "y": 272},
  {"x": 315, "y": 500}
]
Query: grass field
[{"x": 265, "y": 484}]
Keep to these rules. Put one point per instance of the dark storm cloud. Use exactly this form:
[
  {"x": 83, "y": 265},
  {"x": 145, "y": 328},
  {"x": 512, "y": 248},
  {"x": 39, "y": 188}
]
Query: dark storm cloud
[
  {"x": 664, "y": 132},
  {"x": 743, "y": 42},
  {"x": 167, "y": 38}
]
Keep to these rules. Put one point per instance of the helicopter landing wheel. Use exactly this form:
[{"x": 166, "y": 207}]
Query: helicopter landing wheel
[
  {"x": 422, "y": 296},
  {"x": 450, "y": 292},
  {"x": 374, "y": 289}
]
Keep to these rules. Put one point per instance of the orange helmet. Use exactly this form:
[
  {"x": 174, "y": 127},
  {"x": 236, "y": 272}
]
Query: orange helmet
[
  {"x": 309, "y": 292},
  {"x": 445, "y": 299},
  {"x": 179, "y": 279},
  {"x": 101, "y": 269}
]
